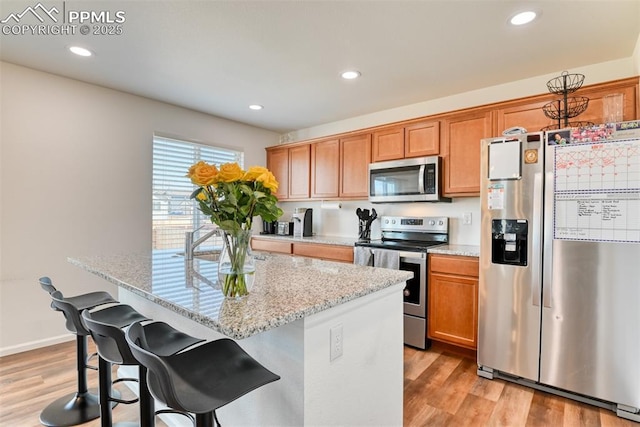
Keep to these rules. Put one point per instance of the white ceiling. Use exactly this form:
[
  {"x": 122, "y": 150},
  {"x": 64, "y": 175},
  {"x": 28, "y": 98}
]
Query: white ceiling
[{"x": 220, "y": 56}]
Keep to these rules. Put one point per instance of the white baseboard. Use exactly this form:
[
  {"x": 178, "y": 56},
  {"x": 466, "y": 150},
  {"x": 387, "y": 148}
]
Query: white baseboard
[{"x": 32, "y": 345}]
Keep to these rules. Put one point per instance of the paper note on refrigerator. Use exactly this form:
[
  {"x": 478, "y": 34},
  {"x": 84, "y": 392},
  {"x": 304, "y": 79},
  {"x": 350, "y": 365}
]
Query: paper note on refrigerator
[
  {"x": 504, "y": 160},
  {"x": 597, "y": 192},
  {"x": 495, "y": 197}
]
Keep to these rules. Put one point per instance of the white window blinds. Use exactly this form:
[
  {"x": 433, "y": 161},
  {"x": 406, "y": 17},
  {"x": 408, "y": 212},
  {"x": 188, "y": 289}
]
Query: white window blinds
[{"x": 173, "y": 212}]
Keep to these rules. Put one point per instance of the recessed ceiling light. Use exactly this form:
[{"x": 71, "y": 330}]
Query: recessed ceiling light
[
  {"x": 255, "y": 107},
  {"x": 350, "y": 75},
  {"x": 523, "y": 18},
  {"x": 80, "y": 51}
]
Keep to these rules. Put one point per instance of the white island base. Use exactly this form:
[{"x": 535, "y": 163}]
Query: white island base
[{"x": 363, "y": 387}]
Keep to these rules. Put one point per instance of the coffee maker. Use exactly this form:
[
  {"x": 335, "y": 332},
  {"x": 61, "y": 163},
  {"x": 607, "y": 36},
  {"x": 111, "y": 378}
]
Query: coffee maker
[
  {"x": 269, "y": 227},
  {"x": 302, "y": 222}
]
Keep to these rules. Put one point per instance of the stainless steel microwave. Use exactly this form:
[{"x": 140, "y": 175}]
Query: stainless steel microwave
[{"x": 406, "y": 180}]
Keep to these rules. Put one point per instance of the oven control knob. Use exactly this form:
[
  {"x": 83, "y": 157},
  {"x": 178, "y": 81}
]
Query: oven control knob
[
  {"x": 441, "y": 222},
  {"x": 406, "y": 292},
  {"x": 386, "y": 221},
  {"x": 393, "y": 221},
  {"x": 432, "y": 222}
]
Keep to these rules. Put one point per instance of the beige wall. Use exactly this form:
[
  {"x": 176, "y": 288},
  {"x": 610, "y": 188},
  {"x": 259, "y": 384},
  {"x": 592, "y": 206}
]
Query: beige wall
[
  {"x": 75, "y": 169},
  {"x": 636, "y": 55}
]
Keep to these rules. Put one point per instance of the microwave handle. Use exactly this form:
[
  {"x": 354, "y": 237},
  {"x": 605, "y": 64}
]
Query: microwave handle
[{"x": 421, "y": 179}]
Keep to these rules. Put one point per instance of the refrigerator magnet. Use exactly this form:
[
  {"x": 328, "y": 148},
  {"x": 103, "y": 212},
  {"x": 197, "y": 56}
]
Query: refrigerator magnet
[{"x": 530, "y": 156}]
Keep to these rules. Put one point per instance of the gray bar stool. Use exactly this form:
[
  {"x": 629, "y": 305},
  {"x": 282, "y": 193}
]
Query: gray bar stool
[
  {"x": 201, "y": 379},
  {"x": 106, "y": 327},
  {"x": 81, "y": 406}
]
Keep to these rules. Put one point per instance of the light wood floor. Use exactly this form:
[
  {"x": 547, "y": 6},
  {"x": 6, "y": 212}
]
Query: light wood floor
[
  {"x": 31, "y": 380},
  {"x": 441, "y": 389}
]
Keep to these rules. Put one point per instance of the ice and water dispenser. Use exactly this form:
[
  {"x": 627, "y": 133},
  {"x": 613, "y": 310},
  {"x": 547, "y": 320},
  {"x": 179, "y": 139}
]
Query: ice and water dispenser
[{"x": 509, "y": 241}]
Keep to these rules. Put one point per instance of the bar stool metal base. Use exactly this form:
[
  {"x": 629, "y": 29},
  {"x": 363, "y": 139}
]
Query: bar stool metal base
[
  {"x": 79, "y": 407},
  {"x": 71, "y": 410}
]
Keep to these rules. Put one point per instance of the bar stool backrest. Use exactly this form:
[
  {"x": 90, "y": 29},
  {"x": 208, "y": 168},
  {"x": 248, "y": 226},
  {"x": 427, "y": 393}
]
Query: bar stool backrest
[
  {"x": 110, "y": 340},
  {"x": 159, "y": 378},
  {"x": 47, "y": 285},
  {"x": 71, "y": 314}
]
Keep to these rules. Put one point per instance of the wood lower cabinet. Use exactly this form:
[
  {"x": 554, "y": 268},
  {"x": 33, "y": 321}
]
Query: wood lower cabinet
[
  {"x": 270, "y": 245},
  {"x": 311, "y": 250},
  {"x": 322, "y": 251},
  {"x": 461, "y": 151},
  {"x": 453, "y": 300}
]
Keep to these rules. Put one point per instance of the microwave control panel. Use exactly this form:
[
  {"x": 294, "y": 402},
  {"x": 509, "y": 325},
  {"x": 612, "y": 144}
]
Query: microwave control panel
[{"x": 430, "y": 179}]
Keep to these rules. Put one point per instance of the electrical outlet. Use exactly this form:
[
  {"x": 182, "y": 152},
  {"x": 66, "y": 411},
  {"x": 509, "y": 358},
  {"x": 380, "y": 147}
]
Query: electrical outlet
[
  {"x": 336, "y": 343},
  {"x": 466, "y": 218}
]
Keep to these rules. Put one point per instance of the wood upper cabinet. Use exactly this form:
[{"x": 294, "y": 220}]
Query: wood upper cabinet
[
  {"x": 414, "y": 140},
  {"x": 422, "y": 139},
  {"x": 340, "y": 168},
  {"x": 388, "y": 144},
  {"x": 453, "y": 300},
  {"x": 595, "y": 110},
  {"x": 529, "y": 114},
  {"x": 337, "y": 166},
  {"x": 290, "y": 166},
  {"x": 325, "y": 168},
  {"x": 278, "y": 164},
  {"x": 355, "y": 156},
  {"x": 461, "y": 151},
  {"x": 299, "y": 171}
]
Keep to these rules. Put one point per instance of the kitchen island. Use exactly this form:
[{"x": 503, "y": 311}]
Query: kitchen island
[{"x": 285, "y": 323}]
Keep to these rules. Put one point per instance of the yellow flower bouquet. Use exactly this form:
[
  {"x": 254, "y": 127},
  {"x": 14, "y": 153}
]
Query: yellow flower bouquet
[{"x": 231, "y": 197}]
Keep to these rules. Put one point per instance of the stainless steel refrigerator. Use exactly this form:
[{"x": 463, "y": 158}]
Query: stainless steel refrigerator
[{"x": 559, "y": 296}]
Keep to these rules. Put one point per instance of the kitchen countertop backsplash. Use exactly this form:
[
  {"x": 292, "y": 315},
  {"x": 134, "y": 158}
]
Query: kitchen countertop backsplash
[{"x": 329, "y": 220}]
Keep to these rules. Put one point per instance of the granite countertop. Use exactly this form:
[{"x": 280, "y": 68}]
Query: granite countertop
[
  {"x": 286, "y": 288},
  {"x": 461, "y": 250},
  {"x": 325, "y": 240}
]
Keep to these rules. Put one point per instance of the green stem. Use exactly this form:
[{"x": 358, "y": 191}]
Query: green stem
[{"x": 235, "y": 281}]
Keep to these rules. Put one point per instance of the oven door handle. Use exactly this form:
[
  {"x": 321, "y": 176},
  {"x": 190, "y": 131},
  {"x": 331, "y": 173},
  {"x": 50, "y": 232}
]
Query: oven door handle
[{"x": 418, "y": 255}]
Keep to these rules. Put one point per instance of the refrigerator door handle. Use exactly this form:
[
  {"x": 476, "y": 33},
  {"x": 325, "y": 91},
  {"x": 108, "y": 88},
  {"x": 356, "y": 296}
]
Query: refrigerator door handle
[
  {"x": 536, "y": 263},
  {"x": 547, "y": 278}
]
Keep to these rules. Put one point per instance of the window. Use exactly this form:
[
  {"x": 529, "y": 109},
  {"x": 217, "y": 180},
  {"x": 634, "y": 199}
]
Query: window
[{"x": 173, "y": 212}]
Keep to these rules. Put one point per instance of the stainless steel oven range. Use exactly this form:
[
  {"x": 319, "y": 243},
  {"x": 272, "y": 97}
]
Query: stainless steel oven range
[{"x": 404, "y": 245}]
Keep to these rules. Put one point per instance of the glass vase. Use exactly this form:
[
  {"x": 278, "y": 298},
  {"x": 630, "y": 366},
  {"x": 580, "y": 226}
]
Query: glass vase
[{"x": 236, "y": 268}]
